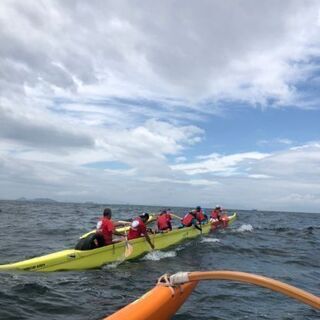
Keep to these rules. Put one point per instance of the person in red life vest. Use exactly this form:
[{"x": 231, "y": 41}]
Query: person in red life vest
[
  {"x": 216, "y": 213},
  {"x": 190, "y": 219},
  {"x": 106, "y": 227},
  {"x": 138, "y": 229},
  {"x": 201, "y": 217},
  {"x": 216, "y": 216},
  {"x": 164, "y": 221}
]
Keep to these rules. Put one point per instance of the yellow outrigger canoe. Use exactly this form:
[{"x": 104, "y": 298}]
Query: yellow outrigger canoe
[{"x": 72, "y": 259}]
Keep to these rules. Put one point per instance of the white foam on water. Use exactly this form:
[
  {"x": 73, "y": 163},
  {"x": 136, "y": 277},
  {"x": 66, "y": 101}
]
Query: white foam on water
[
  {"x": 158, "y": 255},
  {"x": 210, "y": 240},
  {"x": 245, "y": 228},
  {"x": 113, "y": 265}
]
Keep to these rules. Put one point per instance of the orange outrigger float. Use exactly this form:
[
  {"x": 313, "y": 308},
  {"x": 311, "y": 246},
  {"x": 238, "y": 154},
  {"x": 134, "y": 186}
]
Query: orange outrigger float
[{"x": 162, "y": 302}]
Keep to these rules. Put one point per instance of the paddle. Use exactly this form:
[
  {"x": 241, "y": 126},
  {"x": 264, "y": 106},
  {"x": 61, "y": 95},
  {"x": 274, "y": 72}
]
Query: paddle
[
  {"x": 199, "y": 227},
  {"x": 129, "y": 248},
  {"x": 175, "y": 216},
  {"x": 153, "y": 236}
]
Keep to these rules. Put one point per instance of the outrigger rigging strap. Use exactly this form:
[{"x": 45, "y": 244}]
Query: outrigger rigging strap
[{"x": 165, "y": 280}]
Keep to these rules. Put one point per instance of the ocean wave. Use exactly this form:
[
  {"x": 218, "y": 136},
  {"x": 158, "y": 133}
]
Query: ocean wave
[
  {"x": 309, "y": 229},
  {"x": 31, "y": 288},
  {"x": 257, "y": 251}
]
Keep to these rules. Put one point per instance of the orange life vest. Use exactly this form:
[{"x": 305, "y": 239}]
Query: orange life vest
[
  {"x": 200, "y": 216},
  {"x": 163, "y": 221},
  {"x": 187, "y": 219},
  {"x": 215, "y": 214}
]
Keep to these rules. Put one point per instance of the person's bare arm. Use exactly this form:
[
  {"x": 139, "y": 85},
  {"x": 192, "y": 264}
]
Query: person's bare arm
[{"x": 121, "y": 223}]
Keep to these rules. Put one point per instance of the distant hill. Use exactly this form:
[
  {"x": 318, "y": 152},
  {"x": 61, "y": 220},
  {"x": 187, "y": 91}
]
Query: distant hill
[
  {"x": 22, "y": 199},
  {"x": 46, "y": 200}
]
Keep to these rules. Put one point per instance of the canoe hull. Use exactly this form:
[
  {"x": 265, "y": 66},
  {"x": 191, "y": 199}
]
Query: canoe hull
[{"x": 72, "y": 259}]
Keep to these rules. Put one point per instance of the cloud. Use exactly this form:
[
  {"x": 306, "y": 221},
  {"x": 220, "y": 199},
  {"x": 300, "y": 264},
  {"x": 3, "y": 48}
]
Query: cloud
[
  {"x": 144, "y": 147},
  {"x": 276, "y": 141},
  {"x": 204, "y": 51},
  {"x": 258, "y": 176},
  {"x": 220, "y": 165},
  {"x": 270, "y": 182},
  {"x": 87, "y": 82},
  {"x": 295, "y": 164},
  {"x": 193, "y": 182},
  {"x": 42, "y": 135}
]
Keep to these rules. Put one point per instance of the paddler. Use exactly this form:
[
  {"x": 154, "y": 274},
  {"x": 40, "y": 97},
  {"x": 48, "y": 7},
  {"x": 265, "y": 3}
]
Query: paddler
[
  {"x": 201, "y": 217},
  {"x": 216, "y": 215},
  {"x": 138, "y": 228},
  {"x": 106, "y": 227},
  {"x": 190, "y": 219},
  {"x": 164, "y": 221}
]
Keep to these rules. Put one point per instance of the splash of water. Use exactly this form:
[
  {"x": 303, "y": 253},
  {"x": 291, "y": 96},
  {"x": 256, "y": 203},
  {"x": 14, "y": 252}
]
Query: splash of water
[
  {"x": 113, "y": 265},
  {"x": 245, "y": 228},
  {"x": 158, "y": 255},
  {"x": 210, "y": 240}
]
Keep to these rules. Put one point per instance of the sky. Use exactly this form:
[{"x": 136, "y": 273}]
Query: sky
[{"x": 169, "y": 103}]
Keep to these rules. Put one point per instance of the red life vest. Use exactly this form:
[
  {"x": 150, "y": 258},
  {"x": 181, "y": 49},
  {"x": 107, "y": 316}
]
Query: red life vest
[
  {"x": 187, "y": 219},
  {"x": 219, "y": 223},
  {"x": 215, "y": 214},
  {"x": 200, "y": 216},
  {"x": 163, "y": 221},
  {"x": 139, "y": 231},
  {"x": 106, "y": 229}
]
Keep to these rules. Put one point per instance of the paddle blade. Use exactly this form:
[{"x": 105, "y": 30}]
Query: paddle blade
[
  {"x": 88, "y": 233},
  {"x": 128, "y": 250}
]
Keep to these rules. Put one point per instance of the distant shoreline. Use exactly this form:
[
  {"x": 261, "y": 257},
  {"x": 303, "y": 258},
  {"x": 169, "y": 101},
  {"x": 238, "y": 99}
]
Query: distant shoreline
[{"x": 159, "y": 207}]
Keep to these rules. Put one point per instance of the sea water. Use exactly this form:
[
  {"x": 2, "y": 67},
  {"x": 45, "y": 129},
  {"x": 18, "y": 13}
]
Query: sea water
[{"x": 281, "y": 245}]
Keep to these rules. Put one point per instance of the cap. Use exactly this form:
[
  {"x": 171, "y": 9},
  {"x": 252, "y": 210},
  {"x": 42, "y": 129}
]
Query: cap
[
  {"x": 218, "y": 207},
  {"x": 198, "y": 208},
  {"x": 145, "y": 215}
]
